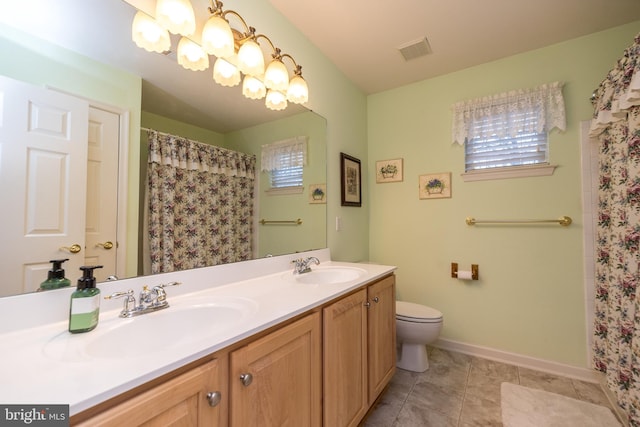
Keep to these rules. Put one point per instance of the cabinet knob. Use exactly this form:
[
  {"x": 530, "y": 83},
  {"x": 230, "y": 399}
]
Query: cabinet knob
[
  {"x": 376, "y": 300},
  {"x": 367, "y": 304},
  {"x": 214, "y": 397},
  {"x": 246, "y": 379}
]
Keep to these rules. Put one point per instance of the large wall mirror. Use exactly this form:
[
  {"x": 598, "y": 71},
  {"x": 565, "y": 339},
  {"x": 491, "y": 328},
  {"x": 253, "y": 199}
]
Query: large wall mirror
[{"x": 83, "y": 51}]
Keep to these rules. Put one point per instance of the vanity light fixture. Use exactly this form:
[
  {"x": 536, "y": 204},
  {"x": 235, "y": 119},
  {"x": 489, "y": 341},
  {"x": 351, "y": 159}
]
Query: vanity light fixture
[{"x": 239, "y": 55}]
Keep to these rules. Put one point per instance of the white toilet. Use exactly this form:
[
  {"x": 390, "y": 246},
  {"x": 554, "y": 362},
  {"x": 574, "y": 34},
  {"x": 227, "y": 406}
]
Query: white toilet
[{"x": 416, "y": 326}]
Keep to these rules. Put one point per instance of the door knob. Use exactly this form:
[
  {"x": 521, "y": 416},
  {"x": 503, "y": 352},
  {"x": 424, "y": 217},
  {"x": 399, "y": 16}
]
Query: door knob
[
  {"x": 74, "y": 249},
  {"x": 214, "y": 397},
  {"x": 106, "y": 245},
  {"x": 246, "y": 379}
]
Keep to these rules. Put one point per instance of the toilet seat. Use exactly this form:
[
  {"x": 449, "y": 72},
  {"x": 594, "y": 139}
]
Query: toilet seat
[{"x": 417, "y": 313}]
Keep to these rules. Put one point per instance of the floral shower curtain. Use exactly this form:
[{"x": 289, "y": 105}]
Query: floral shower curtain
[
  {"x": 616, "y": 124},
  {"x": 200, "y": 203}
]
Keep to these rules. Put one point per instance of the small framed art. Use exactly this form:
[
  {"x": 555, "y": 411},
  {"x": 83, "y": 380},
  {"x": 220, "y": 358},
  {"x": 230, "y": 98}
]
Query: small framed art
[
  {"x": 350, "y": 181},
  {"x": 318, "y": 193},
  {"x": 389, "y": 170},
  {"x": 435, "y": 185}
]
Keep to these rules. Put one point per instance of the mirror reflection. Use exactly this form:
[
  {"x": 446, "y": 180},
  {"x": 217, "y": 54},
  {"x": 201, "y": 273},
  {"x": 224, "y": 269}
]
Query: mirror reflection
[{"x": 83, "y": 85}]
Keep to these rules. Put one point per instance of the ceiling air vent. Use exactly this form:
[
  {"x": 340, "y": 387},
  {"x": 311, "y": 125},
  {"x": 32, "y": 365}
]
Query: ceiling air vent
[{"x": 415, "y": 49}]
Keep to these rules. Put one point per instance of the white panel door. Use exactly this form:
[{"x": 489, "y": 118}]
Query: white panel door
[
  {"x": 43, "y": 164},
  {"x": 102, "y": 192}
]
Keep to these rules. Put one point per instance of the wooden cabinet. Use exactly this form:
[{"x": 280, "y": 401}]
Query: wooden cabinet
[
  {"x": 276, "y": 380},
  {"x": 326, "y": 367},
  {"x": 181, "y": 401},
  {"x": 381, "y": 335},
  {"x": 345, "y": 361},
  {"x": 359, "y": 352}
]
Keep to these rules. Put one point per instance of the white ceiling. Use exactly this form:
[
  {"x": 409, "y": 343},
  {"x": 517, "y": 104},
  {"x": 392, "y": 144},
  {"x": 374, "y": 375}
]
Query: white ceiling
[
  {"x": 461, "y": 33},
  {"x": 362, "y": 36}
]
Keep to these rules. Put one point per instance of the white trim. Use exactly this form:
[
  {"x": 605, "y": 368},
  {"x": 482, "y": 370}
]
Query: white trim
[
  {"x": 589, "y": 169},
  {"x": 584, "y": 374},
  {"x": 285, "y": 190},
  {"x": 508, "y": 172}
]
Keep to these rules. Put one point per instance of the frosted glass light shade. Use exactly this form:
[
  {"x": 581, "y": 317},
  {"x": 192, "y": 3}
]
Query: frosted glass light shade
[
  {"x": 148, "y": 34},
  {"x": 225, "y": 73},
  {"x": 298, "y": 91},
  {"x": 191, "y": 56},
  {"x": 253, "y": 88},
  {"x": 217, "y": 38},
  {"x": 176, "y": 16},
  {"x": 250, "y": 59},
  {"x": 276, "y": 76},
  {"x": 276, "y": 100}
]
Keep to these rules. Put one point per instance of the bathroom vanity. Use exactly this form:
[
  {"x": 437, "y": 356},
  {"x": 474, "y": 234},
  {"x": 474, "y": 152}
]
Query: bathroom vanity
[{"x": 250, "y": 345}]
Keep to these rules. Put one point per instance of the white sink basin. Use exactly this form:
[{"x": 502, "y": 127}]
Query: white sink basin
[
  {"x": 328, "y": 275},
  {"x": 154, "y": 332}
]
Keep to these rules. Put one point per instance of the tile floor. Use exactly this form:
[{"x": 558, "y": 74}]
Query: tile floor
[{"x": 463, "y": 391}]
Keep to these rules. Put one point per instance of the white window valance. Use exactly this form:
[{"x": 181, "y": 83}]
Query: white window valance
[
  {"x": 284, "y": 154},
  {"x": 545, "y": 101}
]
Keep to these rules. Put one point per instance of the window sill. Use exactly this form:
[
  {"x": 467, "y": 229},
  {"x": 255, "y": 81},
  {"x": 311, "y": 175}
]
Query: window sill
[
  {"x": 510, "y": 172},
  {"x": 285, "y": 190}
]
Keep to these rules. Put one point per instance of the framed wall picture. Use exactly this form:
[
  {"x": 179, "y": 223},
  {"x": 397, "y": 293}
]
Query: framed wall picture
[
  {"x": 350, "y": 181},
  {"x": 389, "y": 170},
  {"x": 318, "y": 193},
  {"x": 435, "y": 185}
]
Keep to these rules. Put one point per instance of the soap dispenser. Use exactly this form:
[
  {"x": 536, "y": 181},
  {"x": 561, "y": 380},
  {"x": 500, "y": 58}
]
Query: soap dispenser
[
  {"x": 85, "y": 303},
  {"x": 55, "y": 276}
]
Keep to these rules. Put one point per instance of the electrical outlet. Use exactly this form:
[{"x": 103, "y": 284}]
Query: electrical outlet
[{"x": 338, "y": 223}]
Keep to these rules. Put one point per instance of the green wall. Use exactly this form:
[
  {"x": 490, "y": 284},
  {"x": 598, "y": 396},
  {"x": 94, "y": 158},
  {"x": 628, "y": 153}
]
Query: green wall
[
  {"x": 282, "y": 239},
  {"x": 344, "y": 106},
  {"x": 530, "y": 296}
]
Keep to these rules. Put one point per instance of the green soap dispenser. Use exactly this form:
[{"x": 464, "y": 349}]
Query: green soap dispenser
[
  {"x": 55, "y": 276},
  {"x": 85, "y": 303}
]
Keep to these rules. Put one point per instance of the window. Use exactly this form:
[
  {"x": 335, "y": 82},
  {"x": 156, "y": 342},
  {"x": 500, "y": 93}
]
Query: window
[
  {"x": 493, "y": 151},
  {"x": 505, "y": 135},
  {"x": 284, "y": 161}
]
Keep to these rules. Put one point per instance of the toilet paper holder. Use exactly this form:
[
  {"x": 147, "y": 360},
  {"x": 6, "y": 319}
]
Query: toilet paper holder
[{"x": 474, "y": 271}]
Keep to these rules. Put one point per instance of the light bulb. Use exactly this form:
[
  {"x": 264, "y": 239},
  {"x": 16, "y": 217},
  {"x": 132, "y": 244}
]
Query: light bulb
[
  {"x": 298, "y": 91},
  {"x": 276, "y": 100},
  {"x": 148, "y": 34},
  {"x": 276, "y": 76},
  {"x": 225, "y": 73},
  {"x": 250, "y": 59},
  {"x": 217, "y": 38},
  {"x": 176, "y": 16},
  {"x": 253, "y": 88},
  {"x": 191, "y": 56}
]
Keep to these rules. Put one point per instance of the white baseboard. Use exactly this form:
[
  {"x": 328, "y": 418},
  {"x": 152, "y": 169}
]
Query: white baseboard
[{"x": 584, "y": 374}]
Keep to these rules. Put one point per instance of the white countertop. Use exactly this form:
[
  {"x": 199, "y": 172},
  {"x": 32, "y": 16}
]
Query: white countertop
[{"x": 45, "y": 364}]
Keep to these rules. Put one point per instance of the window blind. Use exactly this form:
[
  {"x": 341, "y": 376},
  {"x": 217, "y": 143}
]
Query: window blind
[{"x": 490, "y": 150}]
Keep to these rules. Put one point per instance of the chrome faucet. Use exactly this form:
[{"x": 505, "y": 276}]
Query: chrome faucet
[
  {"x": 302, "y": 265},
  {"x": 149, "y": 300}
]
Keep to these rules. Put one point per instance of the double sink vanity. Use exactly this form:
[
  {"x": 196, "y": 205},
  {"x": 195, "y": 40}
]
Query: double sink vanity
[{"x": 239, "y": 345}]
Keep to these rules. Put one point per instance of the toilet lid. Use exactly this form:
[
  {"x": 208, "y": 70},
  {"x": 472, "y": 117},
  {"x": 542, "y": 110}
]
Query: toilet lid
[{"x": 415, "y": 312}]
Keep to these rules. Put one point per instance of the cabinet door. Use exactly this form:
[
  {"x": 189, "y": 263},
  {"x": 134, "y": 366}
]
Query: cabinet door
[
  {"x": 382, "y": 335},
  {"x": 181, "y": 401},
  {"x": 345, "y": 361},
  {"x": 276, "y": 380}
]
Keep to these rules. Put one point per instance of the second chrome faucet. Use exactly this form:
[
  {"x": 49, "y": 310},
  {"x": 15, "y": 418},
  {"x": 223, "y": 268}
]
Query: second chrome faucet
[{"x": 149, "y": 300}]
